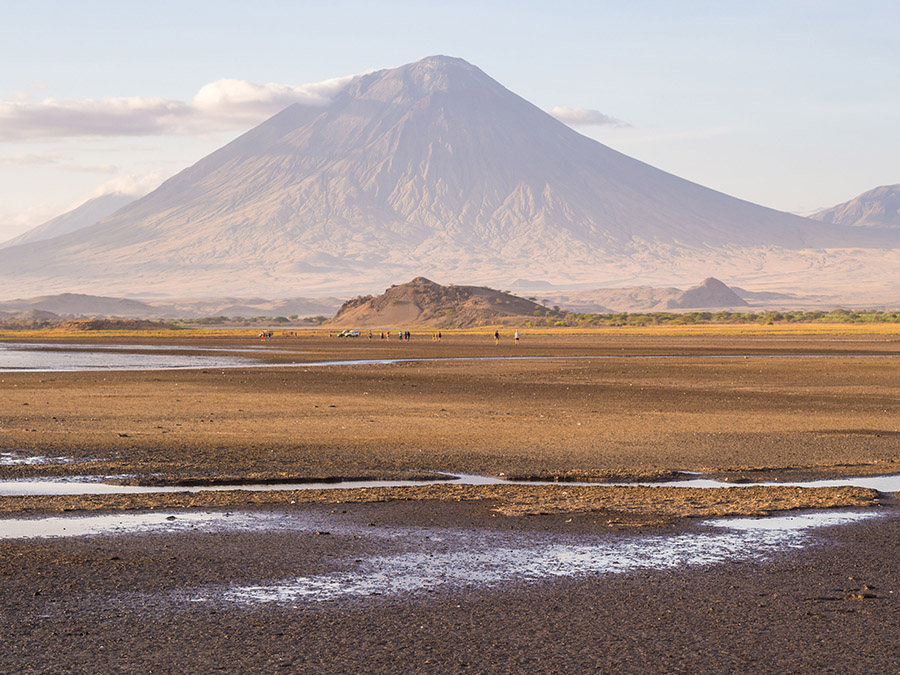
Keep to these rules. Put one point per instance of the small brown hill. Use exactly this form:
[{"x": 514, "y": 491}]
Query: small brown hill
[
  {"x": 711, "y": 293},
  {"x": 423, "y": 302}
]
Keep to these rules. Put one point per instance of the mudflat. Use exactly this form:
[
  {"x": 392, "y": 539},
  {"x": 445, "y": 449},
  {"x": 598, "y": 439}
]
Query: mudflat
[
  {"x": 643, "y": 406},
  {"x": 592, "y": 407}
]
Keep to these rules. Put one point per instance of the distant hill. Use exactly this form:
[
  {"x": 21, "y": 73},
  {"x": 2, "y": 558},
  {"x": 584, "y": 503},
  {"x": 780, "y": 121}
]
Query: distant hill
[
  {"x": 876, "y": 208},
  {"x": 424, "y": 302},
  {"x": 710, "y": 294},
  {"x": 115, "y": 324},
  {"x": 78, "y": 304},
  {"x": 764, "y": 296},
  {"x": 71, "y": 221},
  {"x": 81, "y": 305}
]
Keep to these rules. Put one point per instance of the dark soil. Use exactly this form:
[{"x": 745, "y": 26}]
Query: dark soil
[{"x": 118, "y": 604}]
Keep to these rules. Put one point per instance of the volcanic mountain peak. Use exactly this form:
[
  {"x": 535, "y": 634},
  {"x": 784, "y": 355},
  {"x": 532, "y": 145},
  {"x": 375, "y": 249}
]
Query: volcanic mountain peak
[
  {"x": 424, "y": 302},
  {"x": 431, "y": 166},
  {"x": 421, "y": 78}
]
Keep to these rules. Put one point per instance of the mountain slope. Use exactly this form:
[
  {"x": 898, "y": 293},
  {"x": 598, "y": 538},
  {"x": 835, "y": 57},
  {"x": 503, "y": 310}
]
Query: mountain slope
[
  {"x": 709, "y": 294},
  {"x": 432, "y": 166},
  {"x": 81, "y": 216},
  {"x": 876, "y": 208}
]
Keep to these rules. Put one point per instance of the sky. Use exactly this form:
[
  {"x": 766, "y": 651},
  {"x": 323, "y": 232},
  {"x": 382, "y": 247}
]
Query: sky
[{"x": 792, "y": 104}]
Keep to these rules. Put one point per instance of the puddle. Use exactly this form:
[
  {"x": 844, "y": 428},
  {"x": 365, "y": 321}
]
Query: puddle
[
  {"x": 498, "y": 559},
  {"x": 69, "y": 346},
  {"x": 130, "y": 523},
  {"x": 18, "y": 358},
  {"x": 16, "y": 459},
  {"x": 881, "y": 483},
  {"x": 415, "y": 560},
  {"x": 431, "y": 558}
]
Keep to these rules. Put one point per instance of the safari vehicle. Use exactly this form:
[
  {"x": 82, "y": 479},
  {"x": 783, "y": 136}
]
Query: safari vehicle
[{"x": 349, "y": 333}]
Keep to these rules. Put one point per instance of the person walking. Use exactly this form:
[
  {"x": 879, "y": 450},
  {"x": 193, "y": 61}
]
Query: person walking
[
  {"x": 496, "y": 337},
  {"x": 517, "y": 337}
]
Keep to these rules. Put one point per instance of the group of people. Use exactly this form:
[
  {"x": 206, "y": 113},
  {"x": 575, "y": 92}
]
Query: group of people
[
  {"x": 497, "y": 337},
  {"x": 405, "y": 335},
  {"x": 401, "y": 335}
]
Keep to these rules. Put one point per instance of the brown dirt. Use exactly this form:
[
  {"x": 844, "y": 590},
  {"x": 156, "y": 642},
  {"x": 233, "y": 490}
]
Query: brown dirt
[
  {"x": 620, "y": 418},
  {"x": 605, "y": 418}
]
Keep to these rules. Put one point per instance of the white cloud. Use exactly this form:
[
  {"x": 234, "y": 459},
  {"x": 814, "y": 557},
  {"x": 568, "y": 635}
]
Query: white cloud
[
  {"x": 585, "y": 117},
  {"x": 136, "y": 185},
  {"x": 238, "y": 97},
  {"x": 217, "y": 106}
]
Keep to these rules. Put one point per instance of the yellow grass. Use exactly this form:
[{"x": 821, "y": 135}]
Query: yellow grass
[{"x": 862, "y": 329}]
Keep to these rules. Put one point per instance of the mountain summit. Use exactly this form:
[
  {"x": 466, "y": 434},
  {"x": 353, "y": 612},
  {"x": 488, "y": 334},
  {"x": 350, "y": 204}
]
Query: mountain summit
[
  {"x": 879, "y": 208},
  {"x": 431, "y": 167}
]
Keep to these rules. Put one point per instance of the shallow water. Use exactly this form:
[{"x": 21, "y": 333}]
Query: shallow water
[
  {"x": 87, "y": 485},
  {"x": 57, "y": 358},
  {"x": 464, "y": 559},
  {"x": 417, "y": 559},
  {"x": 18, "y": 459},
  {"x": 48, "y": 357},
  {"x": 118, "y": 523}
]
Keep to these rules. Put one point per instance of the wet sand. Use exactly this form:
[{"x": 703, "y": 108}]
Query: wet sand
[{"x": 117, "y": 603}]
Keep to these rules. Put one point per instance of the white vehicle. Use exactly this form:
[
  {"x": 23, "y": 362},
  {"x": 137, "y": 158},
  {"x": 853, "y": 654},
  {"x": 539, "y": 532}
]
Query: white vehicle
[{"x": 349, "y": 333}]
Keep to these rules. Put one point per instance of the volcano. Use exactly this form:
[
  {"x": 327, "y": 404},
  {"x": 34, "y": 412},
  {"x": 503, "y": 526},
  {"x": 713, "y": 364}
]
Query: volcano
[{"x": 430, "y": 169}]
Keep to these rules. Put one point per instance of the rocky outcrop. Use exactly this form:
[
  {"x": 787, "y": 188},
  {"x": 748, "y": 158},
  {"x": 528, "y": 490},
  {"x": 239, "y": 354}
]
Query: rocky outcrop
[{"x": 423, "y": 302}]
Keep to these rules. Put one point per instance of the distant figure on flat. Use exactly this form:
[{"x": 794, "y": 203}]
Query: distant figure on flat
[
  {"x": 517, "y": 337},
  {"x": 496, "y": 337}
]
